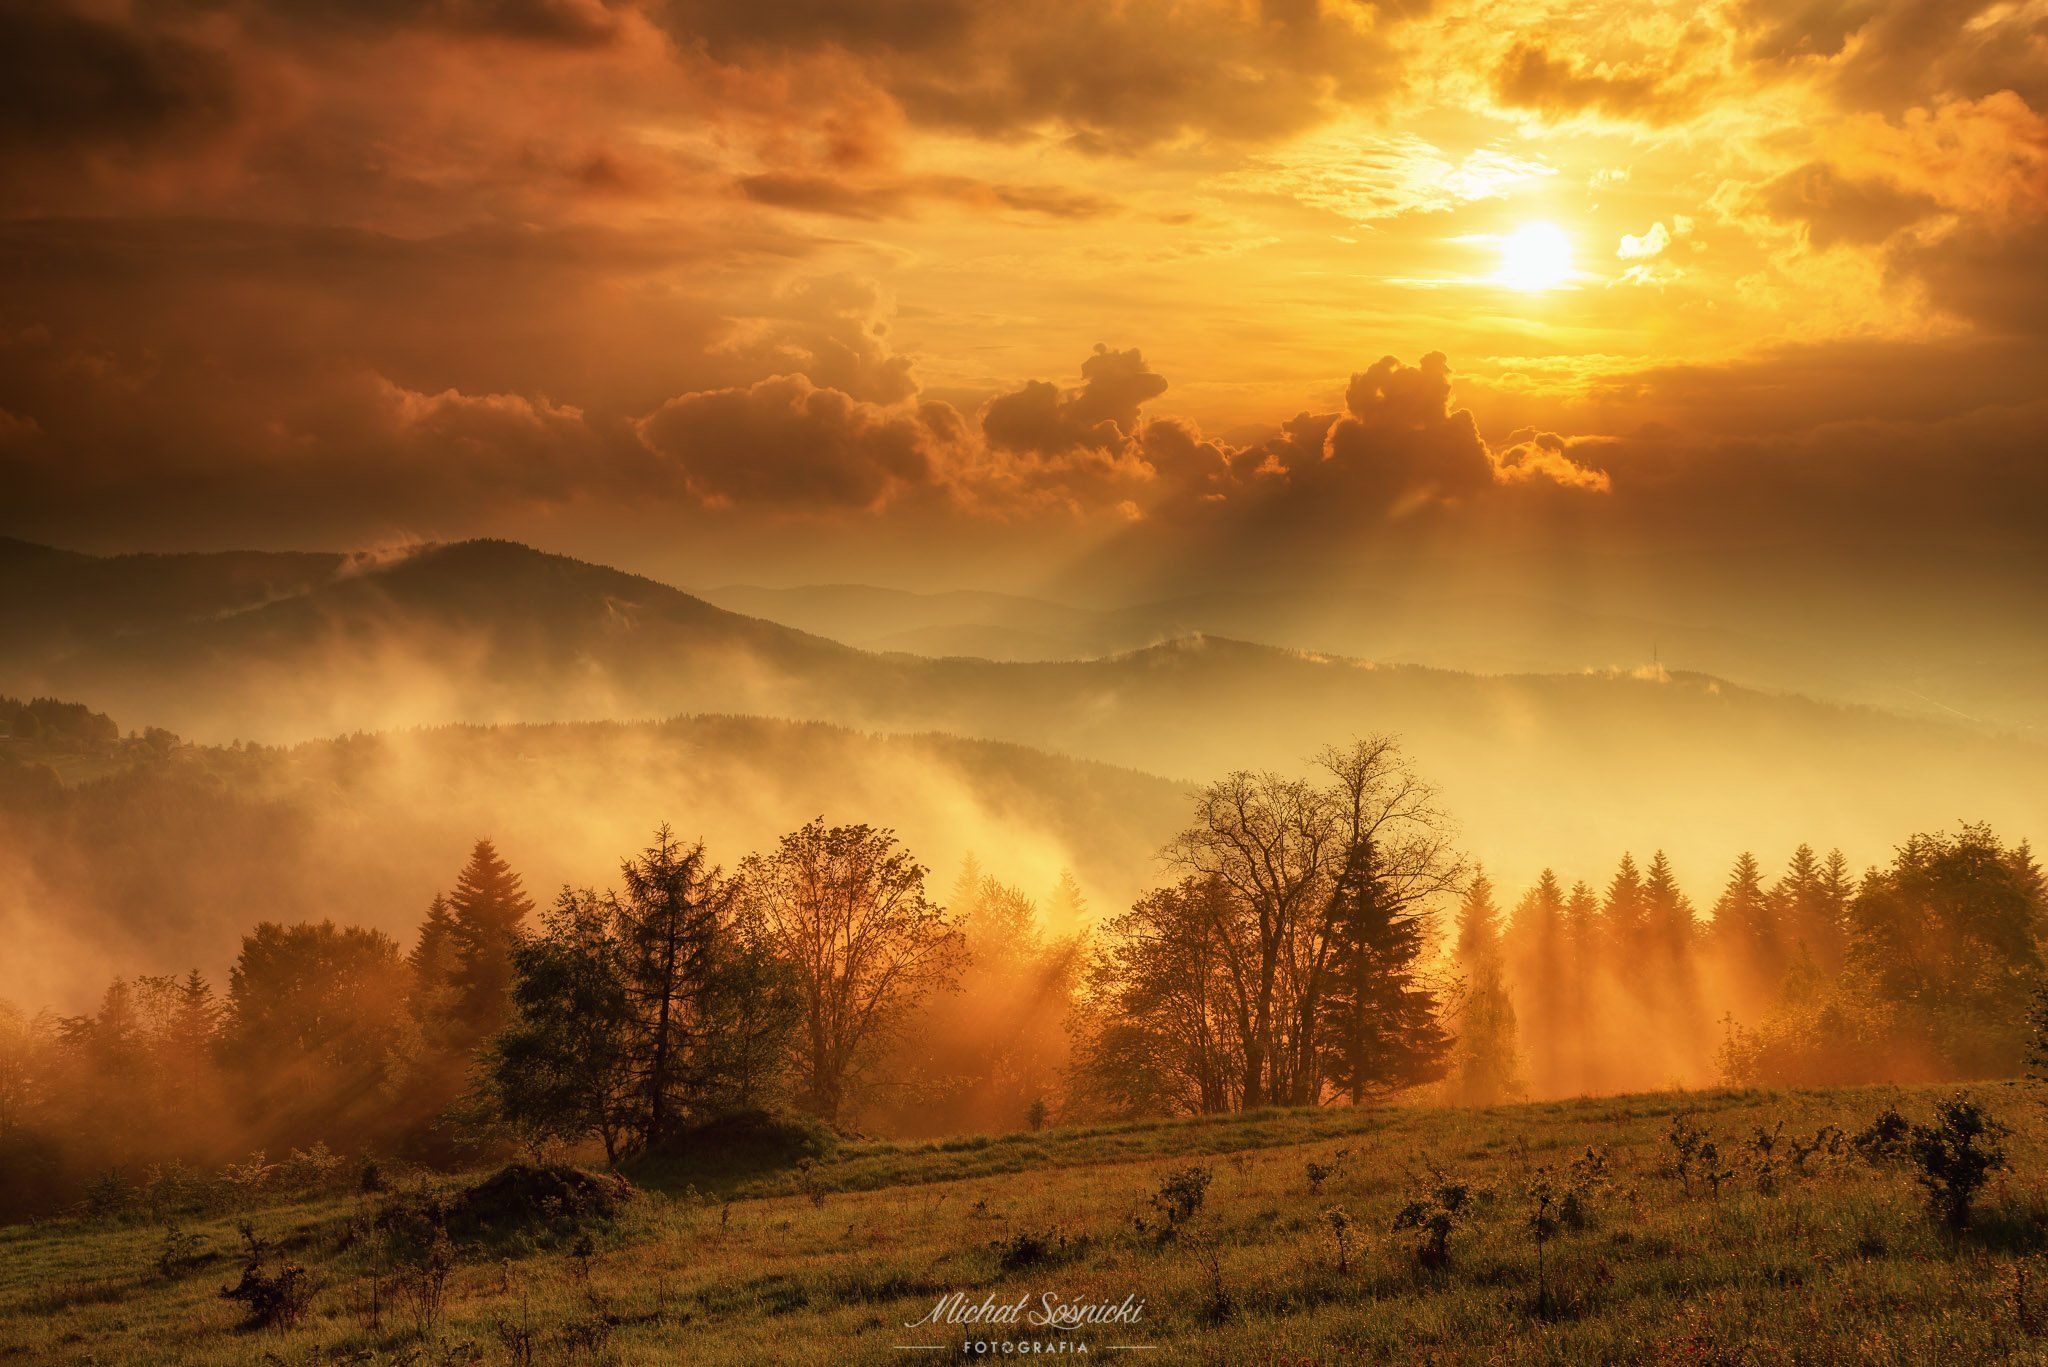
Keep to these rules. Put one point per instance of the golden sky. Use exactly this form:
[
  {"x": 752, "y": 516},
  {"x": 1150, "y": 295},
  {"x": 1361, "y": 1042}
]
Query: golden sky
[{"x": 764, "y": 288}]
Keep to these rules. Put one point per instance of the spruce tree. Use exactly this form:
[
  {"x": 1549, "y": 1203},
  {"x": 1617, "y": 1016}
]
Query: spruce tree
[
  {"x": 1382, "y": 1031},
  {"x": 432, "y": 961},
  {"x": 1811, "y": 912},
  {"x": 1585, "y": 934},
  {"x": 1746, "y": 929},
  {"x": 485, "y": 912},
  {"x": 1543, "y": 981},
  {"x": 1485, "y": 1066},
  {"x": 1668, "y": 919},
  {"x": 1627, "y": 917}
]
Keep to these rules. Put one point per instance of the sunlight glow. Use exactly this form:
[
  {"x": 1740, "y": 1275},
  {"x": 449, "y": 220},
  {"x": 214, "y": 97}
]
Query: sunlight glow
[{"x": 1536, "y": 256}]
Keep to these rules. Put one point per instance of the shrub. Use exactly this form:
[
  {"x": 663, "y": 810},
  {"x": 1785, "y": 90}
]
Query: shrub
[
  {"x": 1955, "y": 1156},
  {"x": 1037, "y": 1113},
  {"x": 1826, "y": 1145},
  {"x": 1179, "y": 1198},
  {"x": 108, "y": 1195},
  {"x": 1339, "y": 1222},
  {"x": 1434, "y": 1214},
  {"x": 1763, "y": 1148},
  {"x": 422, "y": 1283},
  {"x": 245, "y": 1180},
  {"x": 181, "y": 1251},
  {"x": 1695, "y": 1155},
  {"x": 1883, "y": 1140},
  {"x": 1586, "y": 1175},
  {"x": 274, "y": 1292},
  {"x": 309, "y": 1169},
  {"x": 1028, "y": 1248},
  {"x": 170, "y": 1187}
]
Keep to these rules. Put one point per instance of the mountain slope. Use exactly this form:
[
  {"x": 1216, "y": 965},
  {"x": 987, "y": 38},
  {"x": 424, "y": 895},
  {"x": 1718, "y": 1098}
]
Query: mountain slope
[{"x": 1563, "y": 769}]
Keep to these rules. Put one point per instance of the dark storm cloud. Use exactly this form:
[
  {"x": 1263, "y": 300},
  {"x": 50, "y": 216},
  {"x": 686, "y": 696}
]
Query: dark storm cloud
[{"x": 69, "y": 82}]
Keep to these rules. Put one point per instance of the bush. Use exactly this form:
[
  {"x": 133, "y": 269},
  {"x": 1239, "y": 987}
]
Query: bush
[
  {"x": 1029, "y": 1248},
  {"x": 1435, "y": 1214},
  {"x": 1180, "y": 1197},
  {"x": 1955, "y": 1157},
  {"x": 108, "y": 1196},
  {"x": 309, "y": 1169},
  {"x": 1696, "y": 1155},
  {"x": 723, "y": 1150},
  {"x": 1884, "y": 1139},
  {"x": 523, "y": 1195},
  {"x": 181, "y": 1251},
  {"x": 273, "y": 1291}
]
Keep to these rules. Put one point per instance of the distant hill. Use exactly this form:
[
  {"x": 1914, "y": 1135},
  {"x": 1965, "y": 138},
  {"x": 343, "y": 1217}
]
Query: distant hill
[
  {"x": 1541, "y": 768},
  {"x": 1494, "y": 631},
  {"x": 157, "y": 860}
]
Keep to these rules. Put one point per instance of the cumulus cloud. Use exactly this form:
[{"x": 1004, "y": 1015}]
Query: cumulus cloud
[
  {"x": 1102, "y": 413},
  {"x": 783, "y": 441},
  {"x": 1531, "y": 456}
]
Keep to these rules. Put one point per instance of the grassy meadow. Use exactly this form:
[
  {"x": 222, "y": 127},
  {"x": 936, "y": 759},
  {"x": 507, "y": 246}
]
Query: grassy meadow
[{"x": 1289, "y": 1254}]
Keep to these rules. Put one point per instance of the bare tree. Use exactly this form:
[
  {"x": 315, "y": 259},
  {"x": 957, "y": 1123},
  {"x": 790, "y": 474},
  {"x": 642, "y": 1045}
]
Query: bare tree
[
  {"x": 845, "y": 908},
  {"x": 1283, "y": 852}
]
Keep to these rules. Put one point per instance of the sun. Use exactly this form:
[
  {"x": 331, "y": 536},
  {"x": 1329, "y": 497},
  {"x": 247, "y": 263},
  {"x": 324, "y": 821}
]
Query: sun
[{"x": 1535, "y": 256}]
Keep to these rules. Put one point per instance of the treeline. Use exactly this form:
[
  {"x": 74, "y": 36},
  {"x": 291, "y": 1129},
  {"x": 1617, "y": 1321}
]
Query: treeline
[
  {"x": 55, "y": 720},
  {"x": 818, "y": 976},
  {"x": 1920, "y": 970},
  {"x": 1316, "y": 940}
]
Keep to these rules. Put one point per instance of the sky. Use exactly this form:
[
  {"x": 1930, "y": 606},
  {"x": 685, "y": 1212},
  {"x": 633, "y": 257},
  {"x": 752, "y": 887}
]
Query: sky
[{"x": 963, "y": 293}]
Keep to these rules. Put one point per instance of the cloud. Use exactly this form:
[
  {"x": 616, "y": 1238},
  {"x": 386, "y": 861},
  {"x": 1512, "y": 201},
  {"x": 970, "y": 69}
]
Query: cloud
[
  {"x": 785, "y": 442},
  {"x": 70, "y": 82},
  {"x": 1649, "y": 244},
  {"x": 1368, "y": 176},
  {"x": 1102, "y": 413},
  {"x": 1531, "y": 456},
  {"x": 1113, "y": 79},
  {"x": 895, "y": 196},
  {"x": 1836, "y": 208},
  {"x": 1533, "y": 77}
]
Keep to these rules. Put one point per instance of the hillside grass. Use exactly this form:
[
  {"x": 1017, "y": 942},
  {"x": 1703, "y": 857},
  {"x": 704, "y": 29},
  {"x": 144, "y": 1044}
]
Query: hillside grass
[{"x": 827, "y": 1263}]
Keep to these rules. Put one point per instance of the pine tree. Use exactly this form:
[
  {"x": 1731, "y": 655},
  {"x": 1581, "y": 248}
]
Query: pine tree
[
  {"x": 1382, "y": 1031},
  {"x": 669, "y": 922},
  {"x": 485, "y": 912},
  {"x": 1673, "y": 936},
  {"x": 1585, "y": 938},
  {"x": 1810, "y": 911},
  {"x": 1485, "y": 1066},
  {"x": 1747, "y": 932},
  {"x": 1543, "y": 980},
  {"x": 1067, "y": 908},
  {"x": 1627, "y": 917},
  {"x": 432, "y": 961},
  {"x": 1668, "y": 919},
  {"x": 192, "y": 1029}
]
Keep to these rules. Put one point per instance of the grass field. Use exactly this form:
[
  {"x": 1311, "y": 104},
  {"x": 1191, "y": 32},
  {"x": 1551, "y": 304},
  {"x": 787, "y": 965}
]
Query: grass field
[{"x": 1832, "y": 1260}]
